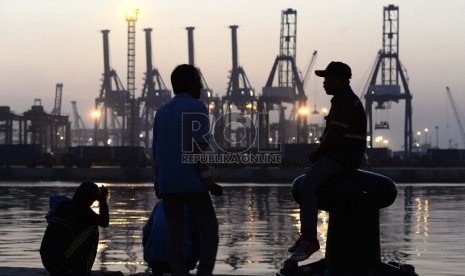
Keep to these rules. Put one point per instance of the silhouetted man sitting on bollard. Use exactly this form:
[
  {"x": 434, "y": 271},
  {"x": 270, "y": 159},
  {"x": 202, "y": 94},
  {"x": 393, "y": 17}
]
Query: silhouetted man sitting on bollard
[
  {"x": 69, "y": 245},
  {"x": 341, "y": 149}
]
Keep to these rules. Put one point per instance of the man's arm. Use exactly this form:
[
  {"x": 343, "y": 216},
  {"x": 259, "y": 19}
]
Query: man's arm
[
  {"x": 329, "y": 142},
  {"x": 104, "y": 216},
  {"x": 204, "y": 172},
  {"x": 156, "y": 189}
]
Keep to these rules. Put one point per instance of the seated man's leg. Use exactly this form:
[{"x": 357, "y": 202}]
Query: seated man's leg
[
  {"x": 55, "y": 266},
  {"x": 82, "y": 258},
  {"x": 317, "y": 174}
]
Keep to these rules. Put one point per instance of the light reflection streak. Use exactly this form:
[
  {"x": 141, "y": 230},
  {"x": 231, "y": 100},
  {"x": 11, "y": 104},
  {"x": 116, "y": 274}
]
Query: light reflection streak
[
  {"x": 122, "y": 263},
  {"x": 322, "y": 230},
  {"x": 421, "y": 226},
  {"x": 295, "y": 214}
]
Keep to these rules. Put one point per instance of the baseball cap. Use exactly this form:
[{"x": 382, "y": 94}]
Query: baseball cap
[{"x": 336, "y": 68}]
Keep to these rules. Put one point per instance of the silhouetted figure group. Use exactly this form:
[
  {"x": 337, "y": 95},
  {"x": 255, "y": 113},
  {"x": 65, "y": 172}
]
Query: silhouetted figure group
[{"x": 183, "y": 227}]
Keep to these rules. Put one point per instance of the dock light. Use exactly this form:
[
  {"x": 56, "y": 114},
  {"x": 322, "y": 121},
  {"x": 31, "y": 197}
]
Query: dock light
[
  {"x": 95, "y": 114},
  {"x": 131, "y": 14},
  {"x": 303, "y": 111}
]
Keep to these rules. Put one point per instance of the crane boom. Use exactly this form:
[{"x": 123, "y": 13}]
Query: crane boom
[
  {"x": 309, "y": 69},
  {"x": 77, "y": 120},
  {"x": 456, "y": 113},
  {"x": 58, "y": 94}
]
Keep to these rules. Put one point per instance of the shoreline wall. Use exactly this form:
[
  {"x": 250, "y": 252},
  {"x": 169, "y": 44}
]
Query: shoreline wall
[{"x": 233, "y": 175}]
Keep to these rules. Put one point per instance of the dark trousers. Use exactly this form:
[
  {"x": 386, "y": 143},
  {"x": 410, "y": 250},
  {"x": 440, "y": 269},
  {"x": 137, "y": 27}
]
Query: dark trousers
[
  {"x": 316, "y": 176},
  {"x": 80, "y": 259},
  {"x": 203, "y": 215},
  {"x": 160, "y": 267}
]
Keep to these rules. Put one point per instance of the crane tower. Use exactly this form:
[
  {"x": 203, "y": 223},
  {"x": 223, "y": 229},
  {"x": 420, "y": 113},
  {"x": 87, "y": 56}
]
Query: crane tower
[
  {"x": 386, "y": 79},
  {"x": 131, "y": 18},
  {"x": 239, "y": 92},
  {"x": 289, "y": 88},
  {"x": 240, "y": 95},
  {"x": 154, "y": 93},
  {"x": 111, "y": 106},
  {"x": 206, "y": 95}
]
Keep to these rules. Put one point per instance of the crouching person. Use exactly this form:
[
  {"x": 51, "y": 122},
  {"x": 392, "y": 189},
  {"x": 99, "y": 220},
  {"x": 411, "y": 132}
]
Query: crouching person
[
  {"x": 69, "y": 245},
  {"x": 155, "y": 242}
]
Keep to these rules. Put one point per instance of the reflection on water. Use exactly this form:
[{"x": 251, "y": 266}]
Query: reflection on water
[{"x": 424, "y": 227}]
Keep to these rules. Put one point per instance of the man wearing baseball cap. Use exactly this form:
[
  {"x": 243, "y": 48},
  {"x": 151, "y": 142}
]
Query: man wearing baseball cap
[{"x": 341, "y": 149}]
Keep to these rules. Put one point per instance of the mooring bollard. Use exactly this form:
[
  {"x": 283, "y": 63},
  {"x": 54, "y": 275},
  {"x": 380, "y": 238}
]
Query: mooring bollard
[{"x": 353, "y": 201}]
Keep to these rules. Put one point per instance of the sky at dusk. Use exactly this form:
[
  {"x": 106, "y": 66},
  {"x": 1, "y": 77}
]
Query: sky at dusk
[{"x": 49, "y": 41}]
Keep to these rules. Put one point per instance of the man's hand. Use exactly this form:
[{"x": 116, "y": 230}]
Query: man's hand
[
  {"x": 103, "y": 192},
  {"x": 216, "y": 190},
  {"x": 157, "y": 191},
  {"x": 212, "y": 187}
]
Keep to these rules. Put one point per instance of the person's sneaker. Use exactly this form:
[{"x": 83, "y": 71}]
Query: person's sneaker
[
  {"x": 304, "y": 250},
  {"x": 294, "y": 247}
]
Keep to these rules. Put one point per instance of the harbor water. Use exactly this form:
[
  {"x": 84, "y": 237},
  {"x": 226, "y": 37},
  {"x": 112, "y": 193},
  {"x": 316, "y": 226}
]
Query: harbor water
[{"x": 425, "y": 227}]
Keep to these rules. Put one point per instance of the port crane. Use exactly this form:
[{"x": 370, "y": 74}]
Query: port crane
[
  {"x": 78, "y": 126},
  {"x": 309, "y": 69},
  {"x": 307, "y": 75},
  {"x": 456, "y": 113},
  {"x": 112, "y": 104},
  {"x": 386, "y": 80},
  {"x": 56, "y": 113},
  {"x": 242, "y": 96},
  {"x": 288, "y": 91},
  {"x": 154, "y": 94},
  {"x": 58, "y": 95}
]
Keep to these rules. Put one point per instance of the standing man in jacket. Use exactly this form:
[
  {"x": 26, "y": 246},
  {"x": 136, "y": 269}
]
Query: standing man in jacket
[{"x": 181, "y": 128}]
